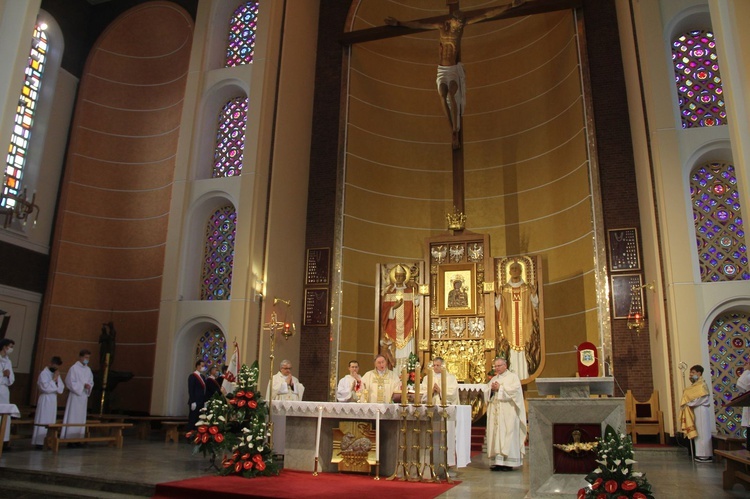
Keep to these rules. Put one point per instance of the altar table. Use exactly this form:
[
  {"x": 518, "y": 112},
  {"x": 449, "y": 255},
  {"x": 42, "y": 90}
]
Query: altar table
[{"x": 295, "y": 429}]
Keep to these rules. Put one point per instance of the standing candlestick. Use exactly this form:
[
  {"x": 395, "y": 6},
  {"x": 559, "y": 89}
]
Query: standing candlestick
[
  {"x": 443, "y": 385},
  {"x": 404, "y": 394},
  {"x": 417, "y": 387},
  {"x": 430, "y": 387},
  {"x": 317, "y": 439},
  {"x": 377, "y": 436}
]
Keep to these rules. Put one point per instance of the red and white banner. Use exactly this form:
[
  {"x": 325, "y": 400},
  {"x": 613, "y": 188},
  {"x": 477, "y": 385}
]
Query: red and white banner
[{"x": 233, "y": 368}]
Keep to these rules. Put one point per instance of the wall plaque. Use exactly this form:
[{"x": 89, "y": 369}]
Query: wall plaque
[
  {"x": 623, "y": 249},
  {"x": 318, "y": 264},
  {"x": 316, "y": 307}
]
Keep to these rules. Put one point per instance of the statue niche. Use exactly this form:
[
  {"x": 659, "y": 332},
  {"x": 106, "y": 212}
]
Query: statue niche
[
  {"x": 519, "y": 315},
  {"x": 400, "y": 309}
]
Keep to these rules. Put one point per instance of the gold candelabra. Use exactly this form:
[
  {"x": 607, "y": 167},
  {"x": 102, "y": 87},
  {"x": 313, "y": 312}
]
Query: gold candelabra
[{"x": 287, "y": 329}]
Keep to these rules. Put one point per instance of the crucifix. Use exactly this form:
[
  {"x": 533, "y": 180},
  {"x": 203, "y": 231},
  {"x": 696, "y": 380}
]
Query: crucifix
[{"x": 450, "y": 73}]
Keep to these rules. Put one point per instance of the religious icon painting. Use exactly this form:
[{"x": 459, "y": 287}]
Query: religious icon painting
[{"x": 457, "y": 289}]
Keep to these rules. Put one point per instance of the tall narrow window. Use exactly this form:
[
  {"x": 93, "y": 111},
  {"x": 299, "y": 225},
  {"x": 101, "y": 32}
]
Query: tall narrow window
[
  {"x": 728, "y": 348},
  {"x": 720, "y": 234},
  {"x": 24, "y": 120},
  {"x": 230, "y": 138},
  {"x": 218, "y": 255},
  {"x": 241, "y": 43},
  {"x": 211, "y": 348},
  {"x": 696, "y": 67}
]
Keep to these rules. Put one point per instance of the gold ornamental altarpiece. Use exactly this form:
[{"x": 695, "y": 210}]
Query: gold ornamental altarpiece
[
  {"x": 453, "y": 308},
  {"x": 459, "y": 310},
  {"x": 467, "y": 290}
]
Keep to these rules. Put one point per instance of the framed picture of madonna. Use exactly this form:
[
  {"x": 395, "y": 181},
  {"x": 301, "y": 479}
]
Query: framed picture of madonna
[{"x": 457, "y": 289}]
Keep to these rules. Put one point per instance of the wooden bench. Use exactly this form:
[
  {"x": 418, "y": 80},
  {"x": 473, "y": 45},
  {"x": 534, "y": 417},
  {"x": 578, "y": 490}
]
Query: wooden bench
[
  {"x": 16, "y": 425},
  {"x": 737, "y": 468},
  {"x": 173, "y": 430},
  {"x": 727, "y": 442},
  {"x": 113, "y": 436},
  {"x": 142, "y": 424}
]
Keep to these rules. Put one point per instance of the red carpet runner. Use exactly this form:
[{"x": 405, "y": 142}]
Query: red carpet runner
[{"x": 296, "y": 484}]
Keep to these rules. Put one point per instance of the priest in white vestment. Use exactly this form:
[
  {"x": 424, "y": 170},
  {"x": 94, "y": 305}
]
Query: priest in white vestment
[
  {"x": 286, "y": 386},
  {"x": 506, "y": 419},
  {"x": 6, "y": 379},
  {"x": 380, "y": 383},
  {"x": 451, "y": 384},
  {"x": 349, "y": 388},
  {"x": 80, "y": 381},
  {"x": 50, "y": 384}
]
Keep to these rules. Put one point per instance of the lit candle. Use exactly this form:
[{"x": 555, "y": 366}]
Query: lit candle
[
  {"x": 417, "y": 384},
  {"x": 443, "y": 384},
  {"x": 317, "y": 437},
  {"x": 430, "y": 387},
  {"x": 377, "y": 436}
]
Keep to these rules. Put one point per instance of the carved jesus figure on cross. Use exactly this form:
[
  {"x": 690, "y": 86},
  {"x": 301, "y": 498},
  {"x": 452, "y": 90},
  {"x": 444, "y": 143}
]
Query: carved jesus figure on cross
[{"x": 450, "y": 73}]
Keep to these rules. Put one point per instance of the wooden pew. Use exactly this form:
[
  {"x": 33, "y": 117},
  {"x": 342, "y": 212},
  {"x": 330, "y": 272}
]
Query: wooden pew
[
  {"x": 113, "y": 437},
  {"x": 727, "y": 442},
  {"x": 737, "y": 468}
]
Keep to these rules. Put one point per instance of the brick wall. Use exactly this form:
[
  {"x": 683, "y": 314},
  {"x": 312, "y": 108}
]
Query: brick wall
[{"x": 631, "y": 352}]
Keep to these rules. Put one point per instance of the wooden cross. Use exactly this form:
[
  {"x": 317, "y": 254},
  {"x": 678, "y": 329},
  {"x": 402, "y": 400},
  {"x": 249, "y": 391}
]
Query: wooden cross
[{"x": 479, "y": 15}]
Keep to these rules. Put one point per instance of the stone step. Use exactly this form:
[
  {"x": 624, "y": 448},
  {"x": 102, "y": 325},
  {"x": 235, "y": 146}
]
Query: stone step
[{"x": 23, "y": 484}]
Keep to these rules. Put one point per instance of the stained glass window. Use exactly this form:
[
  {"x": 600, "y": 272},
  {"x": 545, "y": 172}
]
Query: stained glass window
[
  {"x": 211, "y": 348},
  {"x": 24, "y": 121},
  {"x": 218, "y": 256},
  {"x": 241, "y": 43},
  {"x": 230, "y": 138},
  {"x": 698, "y": 80},
  {"x": 720, "y": 234},
  {"x": 728, "y": 348}
]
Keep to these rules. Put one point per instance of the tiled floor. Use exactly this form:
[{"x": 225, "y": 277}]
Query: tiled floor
[{"x": 671, "y": 472}]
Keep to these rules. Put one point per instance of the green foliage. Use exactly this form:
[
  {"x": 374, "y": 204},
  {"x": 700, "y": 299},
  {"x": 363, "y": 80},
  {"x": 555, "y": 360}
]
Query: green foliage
[
  {"x": 411, "y": 367},
  {"x": 235, "y": 428},
  {"x": 614, "y": 478}
]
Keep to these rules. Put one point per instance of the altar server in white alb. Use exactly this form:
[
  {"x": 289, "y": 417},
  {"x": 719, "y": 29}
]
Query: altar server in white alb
[
  {"x": 697, "y": 415},
  {"x": 451, "y": 384},
  {"x": 286, "y": 386},
  {"x": 350, "y": 386},
  {"x": 506, "y": 419},
  {"x": 80, "y": 381},
  {"x": 50, "y": 384},
  {"x": 6, "y": 379}
]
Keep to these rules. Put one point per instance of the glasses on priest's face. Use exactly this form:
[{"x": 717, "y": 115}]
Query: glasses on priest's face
[{"x": 286, "y": 368}]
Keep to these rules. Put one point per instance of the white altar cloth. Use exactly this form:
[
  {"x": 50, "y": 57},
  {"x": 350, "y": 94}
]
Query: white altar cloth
[{"x": 459, "y": 421}]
